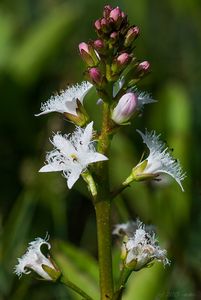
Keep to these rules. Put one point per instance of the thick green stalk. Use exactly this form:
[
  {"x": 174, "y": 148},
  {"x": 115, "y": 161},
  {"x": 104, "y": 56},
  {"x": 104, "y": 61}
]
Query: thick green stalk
[{"x": 102, "y": 208}]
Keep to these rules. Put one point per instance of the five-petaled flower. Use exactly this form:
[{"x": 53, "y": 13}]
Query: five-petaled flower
[
  {"x": 72, "y": 154},
  {"x": 141, "y": 248},
  {"x": 159, "y": 161},
  {"x": 36, "y": 261},
  {"x": 66, "y": 101}
]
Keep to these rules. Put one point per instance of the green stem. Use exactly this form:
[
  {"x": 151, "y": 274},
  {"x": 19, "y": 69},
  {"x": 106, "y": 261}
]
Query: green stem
[
  {"x": 90, "y": 183},
  {"x": 104, "y": 248},
  {"x": 104, "y": 139},
  {"x": 103, "y": 211},
  {"x": 118, "y": 191},
  {"x": 75, "y": 288},
  {"x": 125, "y": 274}
]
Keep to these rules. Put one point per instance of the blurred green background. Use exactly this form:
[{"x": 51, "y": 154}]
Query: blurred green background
[{"x": 38, "y": 56}]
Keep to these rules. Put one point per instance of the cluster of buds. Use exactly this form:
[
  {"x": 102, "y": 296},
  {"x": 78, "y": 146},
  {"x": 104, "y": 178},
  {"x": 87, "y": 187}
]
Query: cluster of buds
[{"x": 110, "y": 57}]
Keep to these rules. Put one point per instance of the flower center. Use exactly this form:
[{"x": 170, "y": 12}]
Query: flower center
[{"x": 74, "y": 157}]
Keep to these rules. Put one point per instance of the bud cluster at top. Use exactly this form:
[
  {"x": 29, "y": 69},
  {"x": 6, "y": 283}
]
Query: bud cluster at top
[
  {"x": 111, "y": 53},
  {"x": 112, "y": 66}
]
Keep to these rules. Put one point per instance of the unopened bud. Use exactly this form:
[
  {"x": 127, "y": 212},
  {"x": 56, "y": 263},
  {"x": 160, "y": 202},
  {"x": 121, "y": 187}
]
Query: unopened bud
[
  {"x": 106, "y": 11},
  {"x": 125, "y": 108},
  {"x": 120, "y": 62},
  {"x": 99, "y": 45},
  {"x": 115, "y": 14},
  {"x": 123, "y": 59},
  {"x": 95, "y": 75},
  {"x": 84, "y": 47},
  {"x": 97, "y": 24},
  {"x": 114, "y": 35},
  {"x": 88, "y": 54},
  {"x": 144, "y": 67},
  {"x": 131, "y": 35}
]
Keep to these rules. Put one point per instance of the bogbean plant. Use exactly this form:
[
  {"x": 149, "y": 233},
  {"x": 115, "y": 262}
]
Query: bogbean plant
[{"x": 114, "y": 71}]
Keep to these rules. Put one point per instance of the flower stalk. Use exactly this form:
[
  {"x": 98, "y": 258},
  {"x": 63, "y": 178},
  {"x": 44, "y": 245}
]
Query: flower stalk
[
  {"x": 102, "y": 209},
  {"x": 75, "y": 288},
  {"x": 103, "y": 213}
]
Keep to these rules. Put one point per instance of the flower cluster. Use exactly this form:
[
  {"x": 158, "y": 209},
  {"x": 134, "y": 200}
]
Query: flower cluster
[
  {"x": 140, "y": 247},
  {"x": 111, "y": 57}
]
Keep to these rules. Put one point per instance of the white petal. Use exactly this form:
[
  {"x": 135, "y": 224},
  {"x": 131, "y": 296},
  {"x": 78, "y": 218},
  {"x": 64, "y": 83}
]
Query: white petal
[
  {"x": 87, "y": 135},
  {"x": 175, "y": 178},
  {"x": 95, "y": 157},
  {"x": 51, "y": 168},
  {"x": 45, "y": 112},
  {"x": 72, "y": 178},
  {"x": 63, "y": 144},
  {"x": 66, "y": 101},
  {"x": 71, "y": 107}
]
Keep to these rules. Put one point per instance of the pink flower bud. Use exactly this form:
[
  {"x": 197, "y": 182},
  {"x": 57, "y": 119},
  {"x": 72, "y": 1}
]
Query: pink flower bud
[
  {"x": 95, "y": 75},
  {"x": 88, "y": 54},
  {"x": 98, "y": 44},
  {"x": 97, "y": 24},
  {"x": 125, "y": 108},
  {"x": 115, "y": 14},
  {"x": 113, "y": 35},
  {"x": 84, "y": 47},
  {"x": 144, "y": 66},
  {"x": 103, "y": 22},
  {"x": 85, "y": 52},
  {"x": 131, "y": 35},
  {"x": 123, "y": 59}
]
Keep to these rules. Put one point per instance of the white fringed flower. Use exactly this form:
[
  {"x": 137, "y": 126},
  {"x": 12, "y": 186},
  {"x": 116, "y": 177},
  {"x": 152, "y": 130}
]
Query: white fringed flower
[
  {"x": 66, "y": 101},
  {"x": 34, "y": 260},
  {"x": 127, "y": 229},
  {"x": 159, "y": 160},
  {"x": 143, "y": 98},
  {"x": 72, "y": 154},
  {"x": 141, "y": 249}
]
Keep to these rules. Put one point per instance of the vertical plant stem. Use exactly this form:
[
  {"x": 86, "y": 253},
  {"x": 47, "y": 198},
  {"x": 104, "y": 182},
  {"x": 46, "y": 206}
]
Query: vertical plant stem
[
  {"x": 102, "y": 208},
  {"x": 104, "y": 248}
]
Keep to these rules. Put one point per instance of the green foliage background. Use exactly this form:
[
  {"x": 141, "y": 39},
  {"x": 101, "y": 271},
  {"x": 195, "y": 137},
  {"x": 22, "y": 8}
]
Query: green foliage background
[{"x": 38, "y": 55}]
